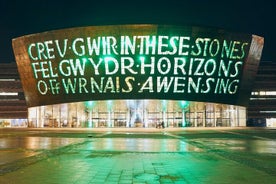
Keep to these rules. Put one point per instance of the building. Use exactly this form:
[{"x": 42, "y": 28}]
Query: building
[
  {"x": 137, "y": 76},
  {"x": 262, "y": 105},
  {"x": 13, "y": 108}
]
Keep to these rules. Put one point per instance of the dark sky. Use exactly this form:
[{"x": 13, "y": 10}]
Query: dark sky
[{"x": 19, "y": 17}]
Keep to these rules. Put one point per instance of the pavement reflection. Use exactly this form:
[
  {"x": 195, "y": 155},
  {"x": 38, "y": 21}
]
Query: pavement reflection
[
  {"x": 140, "y": 145},
  {"x": 239, "y": 145},
  {"x": 16, "y": 148},
  {"x": 92, "y": 156}
]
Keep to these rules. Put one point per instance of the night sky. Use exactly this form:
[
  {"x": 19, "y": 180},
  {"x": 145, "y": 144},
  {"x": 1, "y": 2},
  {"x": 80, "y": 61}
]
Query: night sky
[{"x": 18, "y": 18}]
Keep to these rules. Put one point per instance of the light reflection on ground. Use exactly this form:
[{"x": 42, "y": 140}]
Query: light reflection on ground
[
  {"x": 140, "y": 145},
  {"x": 35, "y": 142},
  {"x": 243, "y": 145},
  {"x": 16, "y": 148}
]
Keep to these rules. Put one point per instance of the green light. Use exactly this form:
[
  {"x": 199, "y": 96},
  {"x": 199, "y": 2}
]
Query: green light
[
  {"x": 164, "y": 105},
  {"x": 184, "y": 104},
  {"x": 89, "y": 104},
  {"x": 84, "y": 59},
  {"x": 109, "y": 104},
  {"x": 141, "y": 58}
]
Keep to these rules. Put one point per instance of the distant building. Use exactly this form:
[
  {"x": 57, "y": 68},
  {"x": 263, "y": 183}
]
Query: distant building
[
  {"x": 13, "y": 108},
  {"x": 262, "y": 105}
]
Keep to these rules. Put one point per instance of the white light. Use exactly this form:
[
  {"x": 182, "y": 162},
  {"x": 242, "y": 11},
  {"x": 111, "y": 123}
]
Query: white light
[
  {"x": 271, "y": 93},
  {"x": 263, "y": 98},
  {"x": 267, "y": 111},
  {"x": 7, "y": 79},
  {"x": 8, "y": 94},
  {"x": 264, "y": 93}
]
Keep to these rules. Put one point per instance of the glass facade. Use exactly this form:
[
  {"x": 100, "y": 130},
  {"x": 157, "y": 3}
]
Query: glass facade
[
  {"x": 137, "y": 113},
  {"x": 13, "y": 123}
]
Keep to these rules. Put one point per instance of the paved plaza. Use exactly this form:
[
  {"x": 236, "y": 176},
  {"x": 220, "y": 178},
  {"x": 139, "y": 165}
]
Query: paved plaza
[{"x": 138, "y": 156}]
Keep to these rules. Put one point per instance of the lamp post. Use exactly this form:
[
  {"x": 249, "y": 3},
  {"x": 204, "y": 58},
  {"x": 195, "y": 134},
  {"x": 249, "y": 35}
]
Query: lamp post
[
  {"x": 89, "y": 105},
  {"x": 164, "y": 109},
  {"x": 184, "y": 105},
  {"x": 109, "y": 108}
]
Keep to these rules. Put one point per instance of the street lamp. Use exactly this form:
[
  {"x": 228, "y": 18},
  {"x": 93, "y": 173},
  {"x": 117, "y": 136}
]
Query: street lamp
[
  {"x": 184, "y": 105},
  {"x": 89, "y": 106}
]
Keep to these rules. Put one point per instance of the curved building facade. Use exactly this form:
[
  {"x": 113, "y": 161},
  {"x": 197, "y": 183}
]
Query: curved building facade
[{"x": 137, "y": 76}]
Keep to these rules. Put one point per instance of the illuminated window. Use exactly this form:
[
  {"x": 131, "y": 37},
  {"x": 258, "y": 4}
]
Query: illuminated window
[
  {"x": 254, "y": 93},
  {"x": 263, "y": 93},
  {"x": 271, "y": 93},
  {"x": 7, "y": 79},
  {"x": 8, "y": 94},
  {"x": 262, "y": 98},
  {"x": 267, "y": 111}
]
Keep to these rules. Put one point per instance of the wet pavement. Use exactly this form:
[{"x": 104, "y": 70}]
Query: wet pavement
[{"x": 126, "y": 156}]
